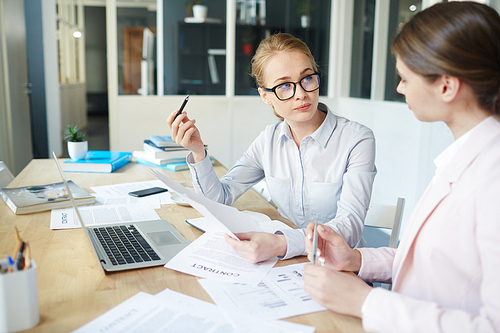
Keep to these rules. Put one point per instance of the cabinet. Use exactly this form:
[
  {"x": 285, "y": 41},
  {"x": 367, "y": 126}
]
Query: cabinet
[{"x": 201, "y": 59}]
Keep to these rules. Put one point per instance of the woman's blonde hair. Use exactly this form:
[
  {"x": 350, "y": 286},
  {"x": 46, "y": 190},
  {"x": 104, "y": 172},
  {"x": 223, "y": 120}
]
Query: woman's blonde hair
[{"x": 460, "y": 39}]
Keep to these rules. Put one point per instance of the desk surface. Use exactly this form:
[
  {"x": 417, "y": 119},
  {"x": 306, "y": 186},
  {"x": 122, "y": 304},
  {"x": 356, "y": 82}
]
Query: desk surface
[{"x": 73, "y": 290}]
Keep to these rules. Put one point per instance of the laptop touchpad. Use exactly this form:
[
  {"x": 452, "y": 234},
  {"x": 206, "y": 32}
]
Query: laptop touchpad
[{"x": 162, "y": 238}]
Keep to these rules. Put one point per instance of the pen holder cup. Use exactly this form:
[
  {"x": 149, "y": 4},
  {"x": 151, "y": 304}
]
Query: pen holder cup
[{"x": 18, "y": 299}]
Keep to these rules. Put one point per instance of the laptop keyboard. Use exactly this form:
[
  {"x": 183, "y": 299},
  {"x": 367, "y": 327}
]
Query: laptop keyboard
[{"x": 125, "y": 245}]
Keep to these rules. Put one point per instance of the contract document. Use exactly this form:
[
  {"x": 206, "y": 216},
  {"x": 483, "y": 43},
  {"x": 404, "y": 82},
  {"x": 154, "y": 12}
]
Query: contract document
[
  {"x": 211, "y": 257},
  {"x": 281, "y": 294},
  {"x": 94, "y": 215},
  {"x": 170, "y": 311}
]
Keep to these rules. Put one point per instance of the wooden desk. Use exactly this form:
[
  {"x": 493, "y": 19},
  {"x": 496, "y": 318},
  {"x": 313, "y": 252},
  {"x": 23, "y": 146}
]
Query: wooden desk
[{"x": 73, "y": 290}]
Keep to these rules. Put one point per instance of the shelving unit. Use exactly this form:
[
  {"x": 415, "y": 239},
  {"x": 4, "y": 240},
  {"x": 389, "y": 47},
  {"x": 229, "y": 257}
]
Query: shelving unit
[{"x": 201, "y": 58}]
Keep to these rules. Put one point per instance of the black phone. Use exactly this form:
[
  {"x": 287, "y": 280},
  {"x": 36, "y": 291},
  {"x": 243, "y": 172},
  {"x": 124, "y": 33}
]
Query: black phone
[{"x": 147, "y": 191}]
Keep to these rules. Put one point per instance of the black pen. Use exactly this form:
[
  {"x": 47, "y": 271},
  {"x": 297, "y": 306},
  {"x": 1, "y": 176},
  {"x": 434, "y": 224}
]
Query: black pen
[{"x": 182, "y": 106}]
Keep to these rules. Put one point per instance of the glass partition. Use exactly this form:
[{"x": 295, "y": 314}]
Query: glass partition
[
  {"x": 362, "y": 48},
  {"x": 194, "y": 47},
  {"x": 257, "y": 19},
  {"x": 136, "y": 28},
  {"x": 401, "y": 11}
]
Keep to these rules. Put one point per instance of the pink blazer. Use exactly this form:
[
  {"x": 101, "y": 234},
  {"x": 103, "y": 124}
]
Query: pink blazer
[{"x": 446, "y": 271}]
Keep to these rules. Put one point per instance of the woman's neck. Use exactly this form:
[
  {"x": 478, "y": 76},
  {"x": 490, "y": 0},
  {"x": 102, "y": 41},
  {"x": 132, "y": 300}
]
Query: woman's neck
[
  {"x": 466, "y": 120},
  {"x": 303, "y": 129}
]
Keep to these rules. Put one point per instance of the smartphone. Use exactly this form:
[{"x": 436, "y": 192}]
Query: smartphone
[{"x": 147, "y": 191}]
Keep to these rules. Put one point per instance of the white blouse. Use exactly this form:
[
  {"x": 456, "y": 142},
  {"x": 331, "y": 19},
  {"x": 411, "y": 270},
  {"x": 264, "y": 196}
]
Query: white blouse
[{"x": 327, "y": 179}]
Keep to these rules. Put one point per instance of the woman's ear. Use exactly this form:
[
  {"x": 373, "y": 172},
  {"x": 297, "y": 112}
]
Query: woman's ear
[
  {"x": 265, "y": 96},
  {"x": 449, "y": 87}
]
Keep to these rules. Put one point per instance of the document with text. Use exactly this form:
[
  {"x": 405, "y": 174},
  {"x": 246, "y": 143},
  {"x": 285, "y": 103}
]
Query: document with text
[
  {"x": 211, "y": 257},
  {"x": 94, "y": 215},
  {"x": 281, "y": 294},
  {"x": 170, "y": 311}
]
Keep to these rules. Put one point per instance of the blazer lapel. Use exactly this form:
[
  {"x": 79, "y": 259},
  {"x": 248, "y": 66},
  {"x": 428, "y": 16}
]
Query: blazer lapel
[{"x": 434, "y": 194}]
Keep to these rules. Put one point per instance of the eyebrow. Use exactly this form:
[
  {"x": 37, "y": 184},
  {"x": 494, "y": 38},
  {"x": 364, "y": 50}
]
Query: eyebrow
[{"x": 283, "y": 78}]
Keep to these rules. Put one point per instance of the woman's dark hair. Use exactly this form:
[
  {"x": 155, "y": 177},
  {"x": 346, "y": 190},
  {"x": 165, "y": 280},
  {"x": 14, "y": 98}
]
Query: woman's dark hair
[{"x": 460, "y": 39}]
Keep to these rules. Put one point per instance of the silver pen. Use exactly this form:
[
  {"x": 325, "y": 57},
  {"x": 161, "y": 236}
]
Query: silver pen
[{"x": 315, "y": 243}]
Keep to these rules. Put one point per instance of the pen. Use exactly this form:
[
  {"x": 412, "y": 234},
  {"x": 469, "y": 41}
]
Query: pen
[
  {"x": 182, "y": 106},
  {"x": 11, "y": 264},
  {"x": 20, "y": 257},
  {"x": 27, "y": 257},
  {"x": 315, "y": 243}
]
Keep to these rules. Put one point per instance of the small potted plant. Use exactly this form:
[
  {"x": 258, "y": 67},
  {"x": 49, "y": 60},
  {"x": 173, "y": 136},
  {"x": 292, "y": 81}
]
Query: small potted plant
[
  {"x": 77, "y": 145},
  {"x": 303, "y": 9}
]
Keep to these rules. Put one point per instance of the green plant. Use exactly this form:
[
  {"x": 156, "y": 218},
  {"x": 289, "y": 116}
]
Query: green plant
[
  {"x": 73, "y": 134},
  {"x": 189, "y": 5},
  {"x": 303, "y": 7}
]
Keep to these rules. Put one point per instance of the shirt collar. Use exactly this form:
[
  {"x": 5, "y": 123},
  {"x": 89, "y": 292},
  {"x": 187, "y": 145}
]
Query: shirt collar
[
  {"x": 322, "y": 134},
  {"x": 449, "y": 153}
]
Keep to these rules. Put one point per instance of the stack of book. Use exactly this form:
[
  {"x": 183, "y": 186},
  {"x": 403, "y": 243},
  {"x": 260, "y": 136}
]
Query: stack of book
[{"x": 161, "y": 151}]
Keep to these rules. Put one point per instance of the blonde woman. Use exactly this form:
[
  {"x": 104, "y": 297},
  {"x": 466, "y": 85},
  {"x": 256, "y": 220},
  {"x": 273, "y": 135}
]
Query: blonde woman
[{"x": 317, "y": 166}]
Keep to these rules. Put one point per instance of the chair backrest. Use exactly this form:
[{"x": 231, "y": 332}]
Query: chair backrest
[
  {"x": 261, "y": 188},
  {"x": 5, "y": 175},
  {"x": 387, "y": 216}
]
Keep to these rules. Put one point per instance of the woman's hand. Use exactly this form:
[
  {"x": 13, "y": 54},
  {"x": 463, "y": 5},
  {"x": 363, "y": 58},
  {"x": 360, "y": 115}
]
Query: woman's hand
[
  {"x": 258, "y": 246},
  {"x": 333, "y": 250},
  {"x": 340, "y": 292},
  {"x": 185, "y": 133}
]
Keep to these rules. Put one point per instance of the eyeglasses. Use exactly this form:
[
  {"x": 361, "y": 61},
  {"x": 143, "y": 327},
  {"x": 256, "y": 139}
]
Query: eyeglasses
[{"x": 286, "y": 90}]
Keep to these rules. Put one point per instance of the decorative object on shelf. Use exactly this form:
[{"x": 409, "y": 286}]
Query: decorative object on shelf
[
  {"x": 303, "y": 9},
  {"x": 247, "y": 39},
  {"x": 200, "y": 11},
  {"x": 77, "y": 145},
  {"x": 251, "y": 12}
]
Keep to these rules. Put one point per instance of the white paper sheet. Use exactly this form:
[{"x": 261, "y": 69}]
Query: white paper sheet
[
  {"x": 169, "y": 311},
  {"x": 227, "y": 219},
  {"x": 95, "y": 215},
  {"x": 118, "y": 193},
  {"x": 280, "y": 295},
  {"x": 211, "y": 257},
  {"x": 154, "y": 200},
  {"x": 264, "y": 222}
]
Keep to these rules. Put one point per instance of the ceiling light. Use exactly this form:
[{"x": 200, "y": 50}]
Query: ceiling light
[{"x": 412, "y": 8}]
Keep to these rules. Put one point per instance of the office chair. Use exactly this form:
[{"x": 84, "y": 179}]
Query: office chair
[
  {"x": 261, "y": 189},
  {"x": 385, "y": 217},
  {"x": 6, "y": 176}
]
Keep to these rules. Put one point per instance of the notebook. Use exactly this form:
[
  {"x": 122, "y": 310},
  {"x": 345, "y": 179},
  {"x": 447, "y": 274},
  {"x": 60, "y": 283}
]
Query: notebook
[{"x": 131, "y": 245}]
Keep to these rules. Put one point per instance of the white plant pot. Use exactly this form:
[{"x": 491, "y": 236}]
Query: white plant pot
[
  {"x": 305, "y": 21},
  {"x": 200, "y": 11},
  {"x": 78, "y": 150}
]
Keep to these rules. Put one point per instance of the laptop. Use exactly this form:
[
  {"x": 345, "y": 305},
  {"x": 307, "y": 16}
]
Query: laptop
[{"x": 130, "y": 245}]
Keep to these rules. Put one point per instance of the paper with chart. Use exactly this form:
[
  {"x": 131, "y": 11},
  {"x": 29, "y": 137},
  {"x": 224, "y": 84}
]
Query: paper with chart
[
  {"x": 95, "y": 215},
  {"x": 226, "y": 218},
  {"x": 211, "y": 257},
  {"x": 281, "y": 294},
  {"x": 170, "y": 311}
]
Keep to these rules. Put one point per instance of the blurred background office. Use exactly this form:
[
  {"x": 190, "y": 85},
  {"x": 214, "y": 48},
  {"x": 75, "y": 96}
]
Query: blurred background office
[{"x": 117, "y": 68}]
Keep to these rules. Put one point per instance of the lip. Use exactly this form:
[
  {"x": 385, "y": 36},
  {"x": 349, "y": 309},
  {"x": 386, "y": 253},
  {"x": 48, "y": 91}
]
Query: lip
[{"x": 303, "y": 107}]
